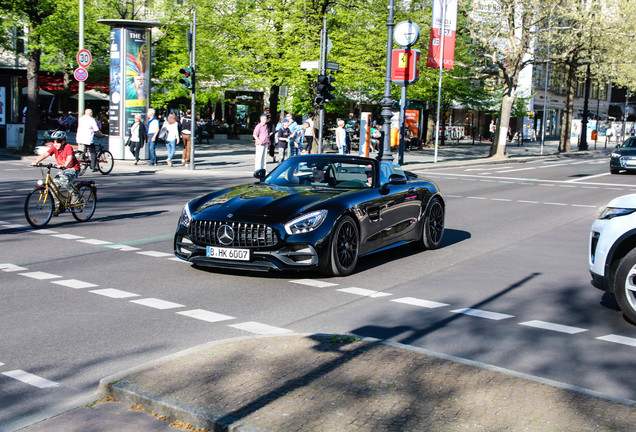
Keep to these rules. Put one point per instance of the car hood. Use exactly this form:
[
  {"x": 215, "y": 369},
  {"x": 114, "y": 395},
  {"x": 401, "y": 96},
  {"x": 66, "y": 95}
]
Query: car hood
[
  {"x": 625, "y": 201},
  {"x": 626, "y": 151},
  {"x": 259, "y": 203}
]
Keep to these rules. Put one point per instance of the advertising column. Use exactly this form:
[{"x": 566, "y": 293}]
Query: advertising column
[{"x": 129, "y": 81}]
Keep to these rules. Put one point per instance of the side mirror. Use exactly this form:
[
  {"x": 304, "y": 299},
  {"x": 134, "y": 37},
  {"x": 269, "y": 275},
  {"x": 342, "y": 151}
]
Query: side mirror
[
  {"x": 396, "y": 179},
  {"x": 260, "y": 174}
]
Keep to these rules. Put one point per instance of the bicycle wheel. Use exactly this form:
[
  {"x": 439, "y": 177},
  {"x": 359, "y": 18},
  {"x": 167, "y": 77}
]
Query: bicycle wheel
[
  {"x": 38, "y": 207},
  {"x": 79, "y": 155},
  {"x": 105, "y": 162},
  {"x": 87, "y": 205}
]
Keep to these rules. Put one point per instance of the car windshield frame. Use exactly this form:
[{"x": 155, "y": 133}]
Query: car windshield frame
[{"x": 325, "y": 171}]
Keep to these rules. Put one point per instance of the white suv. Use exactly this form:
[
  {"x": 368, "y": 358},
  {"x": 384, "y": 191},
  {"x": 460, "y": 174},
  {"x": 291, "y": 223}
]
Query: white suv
[{"x": 613, "y": 252}]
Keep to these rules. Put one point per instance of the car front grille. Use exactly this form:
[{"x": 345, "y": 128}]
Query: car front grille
[{"x": 245, "y": 235}]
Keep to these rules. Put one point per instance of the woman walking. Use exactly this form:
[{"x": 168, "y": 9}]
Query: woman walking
[
  {"x": 137, "y": 134},
  {"x": 172, "y": 138}
]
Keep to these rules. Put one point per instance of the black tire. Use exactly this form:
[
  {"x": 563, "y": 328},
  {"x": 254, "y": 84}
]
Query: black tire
[
  {"x": 38, "y": 207},
  {"x": 614, "y": 171},
  {"x": 88, "y": 203},
  {"x": 344, "y": 248},
  {"x": 432, "y": 226},
  {"x": 625, "y": 286},
  {"x": 79, "y": 155},
  {"x": 105, "y": 162}
]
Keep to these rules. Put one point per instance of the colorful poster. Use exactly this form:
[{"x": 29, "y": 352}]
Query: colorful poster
[
  {"x": 3, "y": 105},
  {"x": 115, "y": 82},
  {"x": 443, "y": 11},
  {"x": 136, "y": 66}
]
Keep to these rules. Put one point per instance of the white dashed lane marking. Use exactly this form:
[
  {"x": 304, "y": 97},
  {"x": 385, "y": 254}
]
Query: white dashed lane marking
[
  {"x": 157, "y": 303},
  {"x": 623, "y": 340},
  {"x": 258, "y": 328},
  {"x": 115, "y": 293},
  {"x": 420, "y": 303},
  {"x": 40, "y": 275},
  {"x": 553, "y": 327},
  {"x": 75, "y": 284},
  {"x": 8, "y": 267},
  {"x": 121, "y": 247},
  {"x": 30, "y": 379},
  {"x": 68, "y": 236},
  {"x": 364, "y": 292},
  {"x": 483, "y": 314},
  {"x": 314, "y": 283},
  {"x": 205, "y": 315},
  {"x": 155, "y": 254}
]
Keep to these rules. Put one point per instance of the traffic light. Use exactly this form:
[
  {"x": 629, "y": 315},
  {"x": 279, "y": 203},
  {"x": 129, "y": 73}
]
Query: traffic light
[
  {"x": 324, "y": 89},
  {"x": 188, "y": 78}
]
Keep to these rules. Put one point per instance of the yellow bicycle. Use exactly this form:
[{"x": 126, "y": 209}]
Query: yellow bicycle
[{"x": 40, "y": 205}]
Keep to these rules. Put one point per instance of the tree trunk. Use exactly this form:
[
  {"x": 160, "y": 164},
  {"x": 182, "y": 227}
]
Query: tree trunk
[
  {"x": 273, "y": 103},
  {"x": 32, "y": 114},
  {"x": 566, "y": 124},
  {"x": 498, "y": 147}
]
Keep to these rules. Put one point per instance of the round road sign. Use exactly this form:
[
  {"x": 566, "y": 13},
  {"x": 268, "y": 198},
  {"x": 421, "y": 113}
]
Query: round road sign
[
  {"x": 84, "y": 58},
  {"x": 81, "y": 74}
]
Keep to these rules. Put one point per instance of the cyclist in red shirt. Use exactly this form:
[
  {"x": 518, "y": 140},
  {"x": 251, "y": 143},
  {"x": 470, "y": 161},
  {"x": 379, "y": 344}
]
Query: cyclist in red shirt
[{"x": 67, "y": 164}]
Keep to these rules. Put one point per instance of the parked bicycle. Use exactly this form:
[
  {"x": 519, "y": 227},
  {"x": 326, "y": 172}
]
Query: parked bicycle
[
  {"x": 40, "y": 204},
  {"x": 105, "y": 161}
]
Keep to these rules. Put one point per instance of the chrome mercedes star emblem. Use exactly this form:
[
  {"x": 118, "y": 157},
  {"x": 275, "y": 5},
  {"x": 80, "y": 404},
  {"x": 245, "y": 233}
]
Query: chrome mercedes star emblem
[
  {"x": 225, "y": 234},
  {"x": 230, "y": 215}
]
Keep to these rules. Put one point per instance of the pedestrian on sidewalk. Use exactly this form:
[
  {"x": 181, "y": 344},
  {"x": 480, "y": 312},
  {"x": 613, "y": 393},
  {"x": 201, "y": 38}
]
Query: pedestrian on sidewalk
[
  {"x": 137, "y": 137},
  {"x": 491, "y": 129},
  {"x": 283, "y": 139},
  {"x": 341, "y": 137},
  {"x": 86, "y": 130},
  {"x": 172, "y": 139},
  {"x": 309, "y": 133},
  {"x": 261, "y": 142},
  {"x": 186, "y": 137},
  {"x": 153, "y": 129}
]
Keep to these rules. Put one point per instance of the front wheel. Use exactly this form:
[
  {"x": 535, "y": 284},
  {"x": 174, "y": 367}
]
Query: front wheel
[
  {"x": 85, "y": 208},
  {"x": 83, "y": 161},
  {"x": 625, "y": 286},
  {"x": 38, "y": 207},
  {"x": 344, "y": 248},
  {"x": 105, "y": 162}
]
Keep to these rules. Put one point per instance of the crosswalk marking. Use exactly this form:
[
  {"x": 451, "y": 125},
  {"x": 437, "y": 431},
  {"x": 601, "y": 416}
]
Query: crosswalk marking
[
  {"x": 419, "y": 302},
  {"x": 483, "y": 314},
  {"x": 30, "y": 379},
  {"x": 205, "y": 315}
]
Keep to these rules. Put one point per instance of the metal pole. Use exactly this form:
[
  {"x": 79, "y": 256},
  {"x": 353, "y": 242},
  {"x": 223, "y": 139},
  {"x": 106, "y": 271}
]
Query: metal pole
[
  {"x": 402, "y": 125},
  {"x": 193, "y": 100},
  {"x": 441, "y": 67},
  {"x": 545, "y": 95},
  {"x": 387, "y": 101},
  {"x": 81, "y": 85},
  {"x": 323, "y": 68},
  {"x": 625, "y": 116}
]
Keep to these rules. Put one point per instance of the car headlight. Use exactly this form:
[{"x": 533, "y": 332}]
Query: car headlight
[
  {"x": 612, "y": 212},
  {"x": 186, "y": 217},
  {"x": 616, "y": 155},
  {"x": 306, "y": 223}
]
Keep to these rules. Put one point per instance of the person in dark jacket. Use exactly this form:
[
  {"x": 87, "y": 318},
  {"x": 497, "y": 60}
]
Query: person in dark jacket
[{"x": 138, "y": 137}]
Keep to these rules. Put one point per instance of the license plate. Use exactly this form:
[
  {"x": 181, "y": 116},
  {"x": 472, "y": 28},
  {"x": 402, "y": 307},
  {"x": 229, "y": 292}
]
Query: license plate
[
  {"x": 228, "y": 253},
  {"x": 630, "y": 162}
]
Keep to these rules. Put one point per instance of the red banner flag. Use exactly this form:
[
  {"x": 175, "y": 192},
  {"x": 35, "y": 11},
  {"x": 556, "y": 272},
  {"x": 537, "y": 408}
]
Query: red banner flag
[{"x": 449, "y": 17}]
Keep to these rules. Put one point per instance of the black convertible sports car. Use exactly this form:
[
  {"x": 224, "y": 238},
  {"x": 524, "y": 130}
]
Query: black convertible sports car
[{"x": 311, "y": 212}]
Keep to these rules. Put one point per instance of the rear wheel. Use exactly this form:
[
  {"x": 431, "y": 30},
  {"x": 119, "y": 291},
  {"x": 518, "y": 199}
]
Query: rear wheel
[
  {"x": 344, "y": 248},
  {"x": 433, "y": 226},
  {"x": 85, "y": 209},
  {"x": 83, "y": 161},
  {"x": 105, "y": 162},
  {"x": 38, "y": 207},
  {"x": 625, "y": 286}
]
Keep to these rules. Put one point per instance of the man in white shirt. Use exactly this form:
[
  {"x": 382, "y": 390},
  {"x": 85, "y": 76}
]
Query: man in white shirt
[
  {"x": 86, "y": 129},
  {"x": 153, "y": 129}
]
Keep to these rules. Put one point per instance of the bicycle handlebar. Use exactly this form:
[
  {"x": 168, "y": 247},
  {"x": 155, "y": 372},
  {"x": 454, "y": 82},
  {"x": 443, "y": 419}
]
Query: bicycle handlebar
[{"x": 48, "y": 166}]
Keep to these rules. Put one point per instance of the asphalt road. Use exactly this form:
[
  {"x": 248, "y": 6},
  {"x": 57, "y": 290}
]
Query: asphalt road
[{"x": 509, "y": 288}]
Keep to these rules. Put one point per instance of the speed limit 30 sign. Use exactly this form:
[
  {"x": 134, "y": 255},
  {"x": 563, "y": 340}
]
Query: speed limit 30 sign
[{"x": 84, "y": 58}]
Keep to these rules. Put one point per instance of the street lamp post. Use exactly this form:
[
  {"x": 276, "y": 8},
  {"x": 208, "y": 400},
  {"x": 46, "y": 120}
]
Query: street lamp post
[{"x": 387, "y": 100}]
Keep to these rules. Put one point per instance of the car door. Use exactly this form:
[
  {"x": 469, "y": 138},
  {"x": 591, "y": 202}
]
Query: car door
[{"x": 400, "y": 206}]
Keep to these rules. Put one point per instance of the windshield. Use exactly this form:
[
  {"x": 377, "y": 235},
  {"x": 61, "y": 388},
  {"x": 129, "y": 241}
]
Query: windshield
[{"x": 324, "y": 172}]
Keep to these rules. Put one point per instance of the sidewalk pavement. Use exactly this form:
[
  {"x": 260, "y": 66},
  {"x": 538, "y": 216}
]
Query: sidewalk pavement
[{"x": 335, "y": 382}]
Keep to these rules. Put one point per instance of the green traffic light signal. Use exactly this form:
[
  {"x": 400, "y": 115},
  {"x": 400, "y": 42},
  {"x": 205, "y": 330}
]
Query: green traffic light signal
[{"x": 188, "y": 78}]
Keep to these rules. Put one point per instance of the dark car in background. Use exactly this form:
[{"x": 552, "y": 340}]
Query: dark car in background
[
  {"x": 624, "y": 157},
  {"x": 312, "y": 212}
]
